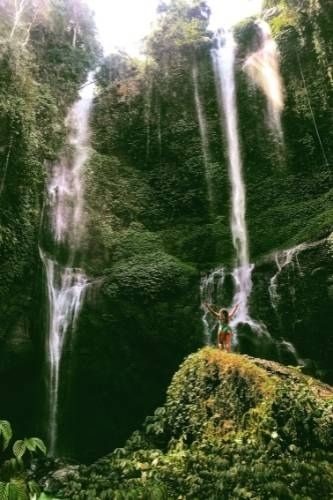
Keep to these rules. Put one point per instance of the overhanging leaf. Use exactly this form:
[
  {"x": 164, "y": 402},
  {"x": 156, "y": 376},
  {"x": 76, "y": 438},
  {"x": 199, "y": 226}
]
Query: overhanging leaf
[{"x": 34, "y": 444}]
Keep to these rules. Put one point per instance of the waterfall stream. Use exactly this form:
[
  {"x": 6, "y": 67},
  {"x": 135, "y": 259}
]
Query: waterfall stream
[
  {"x": 66, "y": 288},
  {"x": 224, "y": 66},
  {"x": 66, "y": 185},
  {"x": 66, "y": 283},
  {"x": 263, "y": 67}
]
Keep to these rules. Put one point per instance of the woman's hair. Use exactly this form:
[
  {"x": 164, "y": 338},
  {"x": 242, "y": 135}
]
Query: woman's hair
[{"x": 224, "y": 313}]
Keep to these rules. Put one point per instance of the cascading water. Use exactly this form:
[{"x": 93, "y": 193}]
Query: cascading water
[
  {"x": 263, "y": 68},
  {"x": 66, "y": 283},
  {"x": 224, "y": 62},
  {"x": 223, "y": 55},
  {"x": 66, "y": 289},
  {"x": 66, "y": 188},
  {"x": 203, "y": 136},
  {"x": 283, "y": 259}
]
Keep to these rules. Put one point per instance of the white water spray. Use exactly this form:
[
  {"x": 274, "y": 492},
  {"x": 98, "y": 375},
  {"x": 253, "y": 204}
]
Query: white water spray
[
  {"x": 66, "y": 284},
  {"x": 263, "y": 68}
]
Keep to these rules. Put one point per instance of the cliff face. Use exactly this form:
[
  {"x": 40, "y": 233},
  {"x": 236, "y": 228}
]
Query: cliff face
[
  {"x": 153, "y": 228},
  {"x": 153, "y": 223},
  {"x": 293, "y": 295},
  {"x": 232, "y": 427}
]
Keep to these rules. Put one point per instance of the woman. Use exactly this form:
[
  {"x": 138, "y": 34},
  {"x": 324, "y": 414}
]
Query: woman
[{"x": 224, "y": 334}]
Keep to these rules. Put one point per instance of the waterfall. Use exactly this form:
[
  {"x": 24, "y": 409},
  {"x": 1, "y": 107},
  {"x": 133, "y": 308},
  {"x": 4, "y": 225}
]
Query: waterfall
[
  {"x": 66, "y": 288},
  {"x": 224, "y": 62},
  {"x": 202, "y": 121},
  {"x": 66, "y": 284},
  {"x": 263, "y": 68},
  {"x": 66, "y": 188}
]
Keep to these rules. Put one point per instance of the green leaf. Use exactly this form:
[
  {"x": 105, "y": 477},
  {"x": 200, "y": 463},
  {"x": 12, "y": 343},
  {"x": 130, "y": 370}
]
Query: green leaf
[
  {"x": 19, "y": 448},
  {"x": 34, "y": 444},
  {"x": 6, "y": 432}
]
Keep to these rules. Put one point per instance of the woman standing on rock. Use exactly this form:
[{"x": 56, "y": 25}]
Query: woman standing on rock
[{"x": 224, "y": 334}]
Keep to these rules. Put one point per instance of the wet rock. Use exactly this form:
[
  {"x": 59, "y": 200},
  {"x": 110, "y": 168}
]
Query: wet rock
[{"x": 302, "y": 311}]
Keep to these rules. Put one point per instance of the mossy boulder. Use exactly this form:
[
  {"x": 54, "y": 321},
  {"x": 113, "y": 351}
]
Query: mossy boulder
[
  {"x": 137, "y": 324},
  {"x": 232, "y": 427}
]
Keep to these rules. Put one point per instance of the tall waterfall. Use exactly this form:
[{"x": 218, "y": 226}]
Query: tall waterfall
[
  {"x": 66, "y": 283},
  {"x": 224, "y": 66},
  {"x": 263, "y": 68}
]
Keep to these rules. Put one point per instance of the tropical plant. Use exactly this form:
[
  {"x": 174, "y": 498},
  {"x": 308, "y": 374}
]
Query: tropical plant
[{"x": 14, "y": 481}]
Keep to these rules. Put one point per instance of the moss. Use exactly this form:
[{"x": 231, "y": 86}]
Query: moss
[{"x": 231, "y": 427}]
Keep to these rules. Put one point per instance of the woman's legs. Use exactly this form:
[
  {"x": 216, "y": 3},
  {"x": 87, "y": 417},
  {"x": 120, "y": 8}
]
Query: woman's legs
[{"x": 227, "y": 342}]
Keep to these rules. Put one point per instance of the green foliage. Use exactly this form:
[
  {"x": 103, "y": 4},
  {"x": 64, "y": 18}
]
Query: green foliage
[
  {"x": 149, "y": 275},
  {"x": 46, "y": 50},
  {"x": 44, "y": 59},
  {"x": 14, "y": 481},
  {"x": 14, "y": 490},
  {"x": 181, "y": 30},
  {"x": 231, "y": 427},
  {"x": 20, "y": 447},
  {"x": 289, "y": 185},
  {"x": 147, "y": 115}
]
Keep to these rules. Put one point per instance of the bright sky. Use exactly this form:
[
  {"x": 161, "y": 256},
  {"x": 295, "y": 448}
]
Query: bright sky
[
  {"x": 124, "y": 23},
  {"x": 229, "y": 12}
]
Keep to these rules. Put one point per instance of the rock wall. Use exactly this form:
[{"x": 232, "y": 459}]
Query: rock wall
[{"x": 292, "y": 295}]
